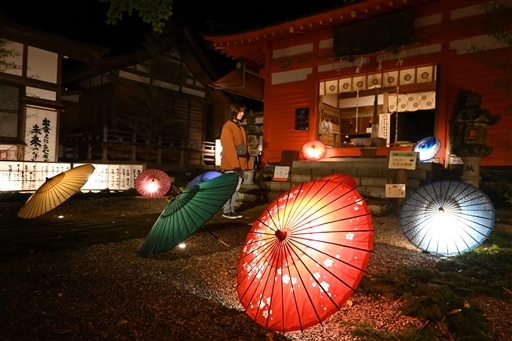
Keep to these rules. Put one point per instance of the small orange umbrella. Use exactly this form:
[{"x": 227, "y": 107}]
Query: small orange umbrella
[
  {"x": 55, "y": 191},
  {"x": 314, "y": 150}
]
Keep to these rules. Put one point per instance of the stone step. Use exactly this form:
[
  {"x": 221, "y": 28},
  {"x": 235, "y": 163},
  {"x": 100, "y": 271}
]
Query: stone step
[{"x": 254, "y": 194}]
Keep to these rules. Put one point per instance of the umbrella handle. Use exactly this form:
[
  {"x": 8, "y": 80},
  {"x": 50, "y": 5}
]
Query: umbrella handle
[{"x": 214, "y": 236}]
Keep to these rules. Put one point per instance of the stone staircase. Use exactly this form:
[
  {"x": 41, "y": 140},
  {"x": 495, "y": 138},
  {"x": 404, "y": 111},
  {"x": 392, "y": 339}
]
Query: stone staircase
[{"x": 371, "y": 175}]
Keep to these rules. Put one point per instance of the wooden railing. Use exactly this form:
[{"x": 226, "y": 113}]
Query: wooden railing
[{"x": 111, "y": 145}]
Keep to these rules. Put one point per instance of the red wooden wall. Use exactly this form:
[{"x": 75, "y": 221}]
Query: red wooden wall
[{"x": 457, "y": 72}]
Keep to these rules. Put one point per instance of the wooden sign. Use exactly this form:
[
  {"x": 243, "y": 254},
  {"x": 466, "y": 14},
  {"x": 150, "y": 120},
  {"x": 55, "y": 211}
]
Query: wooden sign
[
  {"x": 402, "y": 160},
  {"x": 395, "y": 190},
  {"x": 281, "y": 173}
]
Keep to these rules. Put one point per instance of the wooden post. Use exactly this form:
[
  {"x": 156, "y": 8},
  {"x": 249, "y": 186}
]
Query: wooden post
[
  {"x": 89, "y": 146},
  {"x": 401, "y": 178},
  {"x": 134, "y": 147},
  {"x": 159, "y": 155},
  {"x": 104, "y": 154}
]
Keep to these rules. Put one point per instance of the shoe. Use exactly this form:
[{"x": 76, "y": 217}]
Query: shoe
[
  {"x": 238, "y": 216},
  {"x": 229, "y": 215}
]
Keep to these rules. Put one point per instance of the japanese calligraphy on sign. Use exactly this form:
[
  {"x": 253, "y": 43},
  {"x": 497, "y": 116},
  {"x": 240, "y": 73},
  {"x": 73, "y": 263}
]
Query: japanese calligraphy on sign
[{"x": 402, "y": 160}]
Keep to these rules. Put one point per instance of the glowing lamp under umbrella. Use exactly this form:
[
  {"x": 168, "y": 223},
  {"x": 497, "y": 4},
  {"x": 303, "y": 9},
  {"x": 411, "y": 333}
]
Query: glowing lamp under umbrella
[
  {"x": 447, "y": 218},
  {"x": 152, "y": 183},
  {"x": 314, "y": 150}
]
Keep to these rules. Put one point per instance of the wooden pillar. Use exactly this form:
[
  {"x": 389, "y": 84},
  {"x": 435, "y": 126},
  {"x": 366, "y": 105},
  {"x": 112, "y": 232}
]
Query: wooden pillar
[
  {"x": 159, "y": 155},
  {"x": 401, "y": 178},
  {"x": 134, "y": 147},
  {"x": 89, "y": 146},
  {"x": 104, "y": 157}
]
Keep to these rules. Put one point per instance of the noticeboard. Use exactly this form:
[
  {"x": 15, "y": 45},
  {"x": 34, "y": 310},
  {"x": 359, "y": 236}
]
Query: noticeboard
[
  {"x": 402, "y": 160},
  {"x": 395, "y": 190},
  {"x": 281, "y": 173}
]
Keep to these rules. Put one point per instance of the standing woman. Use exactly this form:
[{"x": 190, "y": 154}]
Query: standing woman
[{"x": 236, "y": 155}]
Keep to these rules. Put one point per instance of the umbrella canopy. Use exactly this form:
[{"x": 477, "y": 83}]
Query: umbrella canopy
[
  {"x": 305, "y": 255},
  {"x": 55, "y": 191},
  {"x": 189, "y": 211},
  {"x": 447, "y": 217},
  {"x": 153, "y": 183},
  {"x": 203, "y": 177},
  {"x": 427, "y": 148},
  {"x": 314, "y": 150},
  {"x": 344, "y": 178}
]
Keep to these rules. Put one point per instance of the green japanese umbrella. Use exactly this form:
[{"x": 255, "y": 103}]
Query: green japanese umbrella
[{"x": 188, "y": 212}]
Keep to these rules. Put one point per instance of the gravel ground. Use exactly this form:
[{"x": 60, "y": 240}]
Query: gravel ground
[{"x": 106, "y": 291}]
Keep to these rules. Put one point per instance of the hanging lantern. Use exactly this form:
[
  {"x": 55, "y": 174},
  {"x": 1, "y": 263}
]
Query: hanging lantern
[{"x": 314, "y": 150}]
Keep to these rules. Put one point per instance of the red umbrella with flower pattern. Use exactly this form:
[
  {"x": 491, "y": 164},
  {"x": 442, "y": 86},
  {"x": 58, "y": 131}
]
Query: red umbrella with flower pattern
[{"x": 305, "y": 255}]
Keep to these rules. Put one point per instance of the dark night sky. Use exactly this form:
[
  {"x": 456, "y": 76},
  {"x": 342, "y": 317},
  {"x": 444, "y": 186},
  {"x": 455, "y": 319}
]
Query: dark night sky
[{"x": 84, "y": 20}]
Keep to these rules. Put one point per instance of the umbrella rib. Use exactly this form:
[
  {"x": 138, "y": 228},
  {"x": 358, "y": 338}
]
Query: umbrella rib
[
  {"x": 329, "y": 222},
  {"x": 278, "y": 262},
  {"x": 316, "y": 209},
  {"x": 267, "y": 275},
  {"x": 267, "y": 250},
  {"x": 297, "y": 209},
  {"x": 305, "y": 207},
  {"x": 297, "y": 310},
  {"x": 304, "y": 283},
  {"x": 330, "y": 243},
  {"x": 303, "y": 222},
  {"x": 316, "y": 280},
  {"x": 336, "y": 244}
]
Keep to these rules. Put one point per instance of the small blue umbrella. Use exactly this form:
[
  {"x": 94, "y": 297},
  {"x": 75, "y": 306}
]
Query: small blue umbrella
[
  {"x": 203, "y": 177},
  {"x": 427, "y": 148},
  {"x": 447, "y": 217}
]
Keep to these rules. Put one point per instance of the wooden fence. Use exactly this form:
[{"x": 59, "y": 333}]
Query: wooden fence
[{"x": 119, "y": 146}]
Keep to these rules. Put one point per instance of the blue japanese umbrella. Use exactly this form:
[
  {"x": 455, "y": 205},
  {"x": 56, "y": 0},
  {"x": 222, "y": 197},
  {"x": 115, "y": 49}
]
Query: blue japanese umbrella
[
  {"x": 447, "y": 217},
  {"x": 188, "y": 212},
  {"x": 203, "y": 177},
  {"x": 427, "y": 148}
]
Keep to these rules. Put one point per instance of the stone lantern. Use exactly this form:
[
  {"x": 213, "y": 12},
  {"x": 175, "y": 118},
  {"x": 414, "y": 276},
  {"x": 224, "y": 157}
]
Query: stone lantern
[{"x": 468, "y": 134}]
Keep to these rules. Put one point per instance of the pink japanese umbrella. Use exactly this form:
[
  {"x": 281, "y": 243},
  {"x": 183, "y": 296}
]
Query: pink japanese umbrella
[
  {"x": 305, "y": 255},
  {"x": 152, "y": 183}
]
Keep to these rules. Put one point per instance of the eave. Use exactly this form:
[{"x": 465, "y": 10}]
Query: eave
[{"x": 250, "y": 45}]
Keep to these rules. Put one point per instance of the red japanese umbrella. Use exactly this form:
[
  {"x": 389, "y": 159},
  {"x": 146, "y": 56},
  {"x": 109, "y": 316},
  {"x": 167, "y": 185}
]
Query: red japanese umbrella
[
  {"x": 344, "y": 178},
  {"x": 54, "y": 191},
  {"x": 152, "y": 183},
  {"x": 305, "y": 255}
]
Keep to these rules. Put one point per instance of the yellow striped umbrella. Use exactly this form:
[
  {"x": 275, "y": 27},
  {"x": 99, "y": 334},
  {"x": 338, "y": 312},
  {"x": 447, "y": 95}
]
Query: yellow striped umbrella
[{"x": 55, "y": 191}]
